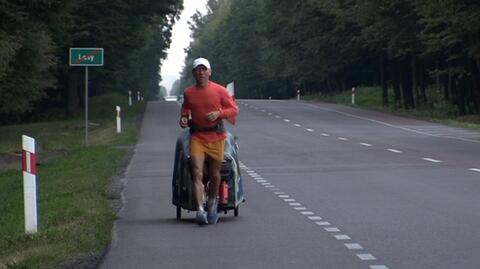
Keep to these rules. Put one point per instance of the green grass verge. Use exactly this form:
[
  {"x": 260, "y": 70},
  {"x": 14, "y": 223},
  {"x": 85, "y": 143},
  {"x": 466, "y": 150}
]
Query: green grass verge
[
  {"x": 74, "y": 212},
  {"x": 371, "y": 98}
]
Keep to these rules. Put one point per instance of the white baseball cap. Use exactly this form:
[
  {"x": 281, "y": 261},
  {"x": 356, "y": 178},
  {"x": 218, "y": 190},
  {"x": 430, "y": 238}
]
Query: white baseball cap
[{"x": 201, "y": 61}]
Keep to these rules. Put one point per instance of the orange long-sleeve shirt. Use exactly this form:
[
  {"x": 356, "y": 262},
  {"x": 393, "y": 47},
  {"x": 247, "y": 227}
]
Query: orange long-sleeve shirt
[{"x": 198, "y": 102}]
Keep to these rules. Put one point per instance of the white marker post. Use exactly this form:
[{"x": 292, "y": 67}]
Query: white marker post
[
  {"x": 138, "y": 96},
  {"x": 129, "y": 98},
  {"x": 298, "y": 95},
  {"x": 119, "y": 121},
  {"x": 29, "y": 184},
  {"x": 231, "y": 88},
  {"x": 353, "y": 95}
]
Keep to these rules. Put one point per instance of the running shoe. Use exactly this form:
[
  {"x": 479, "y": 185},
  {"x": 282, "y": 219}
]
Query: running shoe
[
  {"x": 213, "y": 213},
  {"x": 201, "y": 218}
]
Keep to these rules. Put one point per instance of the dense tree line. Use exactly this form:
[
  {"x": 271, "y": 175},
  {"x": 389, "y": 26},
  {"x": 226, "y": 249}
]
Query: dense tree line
[
  {"x": 35, "y": 37},
  {"x": 421, "y": 53}
]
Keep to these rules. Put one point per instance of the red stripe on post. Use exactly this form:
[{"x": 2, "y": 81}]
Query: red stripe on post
[
  {"x": 33, "y": 164},
  {"x": 24, "y": 160},
  {"x": 29, "y": 162}
]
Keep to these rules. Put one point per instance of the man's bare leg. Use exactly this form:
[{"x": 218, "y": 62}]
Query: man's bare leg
[
  {"x": 197, "y": 169},
  {"x": 215, "y": 178}
]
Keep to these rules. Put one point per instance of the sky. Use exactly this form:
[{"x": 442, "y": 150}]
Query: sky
[{"x": 173, "y": 64}]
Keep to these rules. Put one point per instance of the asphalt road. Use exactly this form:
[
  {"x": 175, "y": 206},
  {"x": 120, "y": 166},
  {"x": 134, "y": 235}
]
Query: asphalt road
[{"x": 326, "y": 186}]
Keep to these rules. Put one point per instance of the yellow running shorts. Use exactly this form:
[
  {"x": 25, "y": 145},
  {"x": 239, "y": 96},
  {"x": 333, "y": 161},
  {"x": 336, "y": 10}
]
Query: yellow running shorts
[{"x": 212, "y": 149}]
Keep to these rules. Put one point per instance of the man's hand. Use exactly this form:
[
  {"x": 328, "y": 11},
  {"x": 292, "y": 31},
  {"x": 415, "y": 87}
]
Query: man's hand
[
  {"x": 183, "y": 122},
  {"x": 212, "y": 116}
]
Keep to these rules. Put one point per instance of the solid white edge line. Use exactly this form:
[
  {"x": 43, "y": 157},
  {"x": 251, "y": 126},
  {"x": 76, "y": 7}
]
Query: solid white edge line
[{"x": 391, "y": 125}]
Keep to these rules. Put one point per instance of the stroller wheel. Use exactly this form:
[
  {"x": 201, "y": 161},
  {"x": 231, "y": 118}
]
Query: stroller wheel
[
  {"x": 235, "y": 212},
  {"x": 179, "y": 212}
]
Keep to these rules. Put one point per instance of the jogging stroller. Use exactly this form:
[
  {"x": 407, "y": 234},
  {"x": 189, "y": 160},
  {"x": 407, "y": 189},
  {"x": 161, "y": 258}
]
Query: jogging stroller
[{"x": 231, "y": 189}]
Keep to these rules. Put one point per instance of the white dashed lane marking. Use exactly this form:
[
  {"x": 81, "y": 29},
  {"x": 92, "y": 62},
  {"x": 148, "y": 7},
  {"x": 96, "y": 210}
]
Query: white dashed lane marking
[
  {"x": 332, "y": 229},
  {"x": 353, "y": 246},
  {"x": 378, "y": 267},
  {"x": 363, "y": 144},
  {"x": 431, "y": 160},
  {"x": 366, "y": 257},
  {"x": 305, "y": 213},
  {"x": 327, "y": 226},
  {"x": 342, "y": 237}
]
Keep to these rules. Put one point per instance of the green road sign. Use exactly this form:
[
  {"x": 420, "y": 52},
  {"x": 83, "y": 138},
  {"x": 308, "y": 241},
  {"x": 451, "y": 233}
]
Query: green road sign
[{"x": 86, "y": 56}]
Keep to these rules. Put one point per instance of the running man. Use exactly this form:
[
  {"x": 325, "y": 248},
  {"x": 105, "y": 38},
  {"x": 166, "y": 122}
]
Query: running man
[{"x": 206, "y": 104}]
